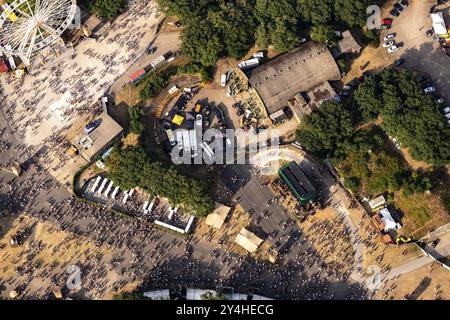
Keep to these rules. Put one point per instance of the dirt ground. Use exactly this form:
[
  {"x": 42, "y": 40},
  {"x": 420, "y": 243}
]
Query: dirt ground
[
  {"x": 427, "y": 283},
  {"x": 333, "y": 247}
]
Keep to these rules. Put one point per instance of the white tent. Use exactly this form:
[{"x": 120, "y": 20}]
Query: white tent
[
  {"x": 158, "y": 294},
  {"x": 388, "y": 221},
  {"x": 217, "y": 218},
  {"x": 247, "y": 240},
  {"x": 439, "y": 26}
]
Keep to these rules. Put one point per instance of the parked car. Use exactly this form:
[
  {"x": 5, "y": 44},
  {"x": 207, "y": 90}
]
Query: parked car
[
  {"x": 395, "y": 12},
  {"x": 151, "y": 49},
  {"x": 388, "y": 44},
  {"x": 421, "y": 78},
  {"x": 403, "y": 3},
  {"x": 389, "y": 36},
  {"x": 440, "y": 101},
  {"x": 430, "y": 33},
  {"x": 393, "y": 49},
  {"x": 386, "y": 21},
  {"x": 92, "y": 126},
  {"x": 429, "y": 89},
  {"x": 399, "y": 62},
  {"x": 447, "y": 110},
  {"x": 398, "y": 7}
]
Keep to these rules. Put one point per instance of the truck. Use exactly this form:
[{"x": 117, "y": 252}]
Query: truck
[
  {"x": 186, "y": 141},
  {"x": 193, "y": 141},
  {"x": 138, "y": 76},
  {"x": 158, "y": 61},
  {"x": 223, "y": 80},
  {"x": 247, "y": 64},
  {"x": 171, "y": 137}
]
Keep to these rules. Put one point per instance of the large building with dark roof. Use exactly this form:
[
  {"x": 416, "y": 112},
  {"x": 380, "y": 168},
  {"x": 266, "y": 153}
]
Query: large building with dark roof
[
  {"x": 280, "y": 79},
  {"x": 298, "y": 182}
]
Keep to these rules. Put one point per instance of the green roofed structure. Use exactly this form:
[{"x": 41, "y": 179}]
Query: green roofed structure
[{"x": 298, "y": 182}]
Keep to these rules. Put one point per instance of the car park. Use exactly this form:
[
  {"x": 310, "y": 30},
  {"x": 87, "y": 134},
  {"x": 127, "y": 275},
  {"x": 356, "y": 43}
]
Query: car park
[{"x": 388, "y": 44}]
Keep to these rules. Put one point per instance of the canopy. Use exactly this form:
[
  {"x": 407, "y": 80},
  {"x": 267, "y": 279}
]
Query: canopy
[
  {"x": 217, "y": 218},
  {"x": 247, "y": 240},
  {"x": 178, "y": 120}
]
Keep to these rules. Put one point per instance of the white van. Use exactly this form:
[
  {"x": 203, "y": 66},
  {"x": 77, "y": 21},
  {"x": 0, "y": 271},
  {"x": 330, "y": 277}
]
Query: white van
[{"x": 223, "y": 80}]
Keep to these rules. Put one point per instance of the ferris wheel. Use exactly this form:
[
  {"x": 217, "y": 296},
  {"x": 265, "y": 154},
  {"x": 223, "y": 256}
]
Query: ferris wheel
[{"x": 28, "y": 26}]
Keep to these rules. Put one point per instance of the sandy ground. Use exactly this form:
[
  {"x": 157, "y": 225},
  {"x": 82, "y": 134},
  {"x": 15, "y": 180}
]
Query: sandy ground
[{"x": 436, "y": 285}]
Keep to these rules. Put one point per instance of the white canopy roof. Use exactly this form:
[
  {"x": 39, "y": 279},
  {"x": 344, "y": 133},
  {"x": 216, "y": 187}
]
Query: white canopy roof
[
  {"x": 247, "y": 240},
  {"x": 388, "y": 221}
]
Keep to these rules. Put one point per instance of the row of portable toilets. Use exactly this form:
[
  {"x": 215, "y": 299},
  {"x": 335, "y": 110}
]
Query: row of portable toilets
[{"x": 101, "y": 183}]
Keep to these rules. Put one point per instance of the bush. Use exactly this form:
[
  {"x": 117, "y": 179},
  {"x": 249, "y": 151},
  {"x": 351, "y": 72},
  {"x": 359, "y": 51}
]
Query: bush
[
  {"x": 136, "y": 123},
  {"x": 108, "y": 9},
  {"x": 154, "y": 82},
  {"x": 206, "y": 73}
]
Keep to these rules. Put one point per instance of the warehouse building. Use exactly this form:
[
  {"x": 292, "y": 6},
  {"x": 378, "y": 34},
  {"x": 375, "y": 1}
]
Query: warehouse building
[
  {"x": 278, "y": 81},
  {"x": 298, "y": 182}
]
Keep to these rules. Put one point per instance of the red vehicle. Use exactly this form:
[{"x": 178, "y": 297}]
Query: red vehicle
[{"x": 386, "y": 22}]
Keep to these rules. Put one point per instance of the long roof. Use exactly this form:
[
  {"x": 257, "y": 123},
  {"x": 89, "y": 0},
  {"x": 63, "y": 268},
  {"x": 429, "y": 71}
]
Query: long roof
[
  {"x": 280, "y": 79},
  {"x": 298, "y": 180},
  {"x": 248, "y": 240}
]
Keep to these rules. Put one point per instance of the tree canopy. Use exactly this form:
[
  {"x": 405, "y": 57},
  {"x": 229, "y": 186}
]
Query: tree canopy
[
  {"x": 133, "y": 167},
  {"x": 217, "y": 28},
  {"x": 135, "y": 114},
  {"x": 408, "y": 115},
  {"x": 322, "y": 131},
  {"x": 108, "y": 9}
]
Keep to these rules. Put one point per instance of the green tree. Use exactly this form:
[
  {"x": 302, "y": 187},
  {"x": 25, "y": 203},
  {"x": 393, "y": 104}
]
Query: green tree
[
  {"x": 368, "y": 99},
  {"x": 136, "y": 124},
  {"x": 133, "y": 167},
  {"x": 324, "y": 34},
  {"x": 108, "y": 9},
  {"x": 322, "y": 131}
]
